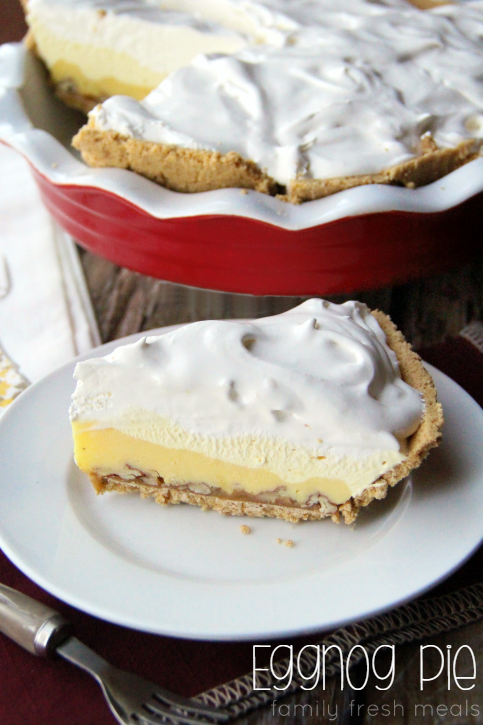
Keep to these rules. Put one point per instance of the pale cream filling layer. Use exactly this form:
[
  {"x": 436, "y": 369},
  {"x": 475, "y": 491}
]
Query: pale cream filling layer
[
  {"x": 254, "y": 464},
  {"x": 100, "y": 71}
]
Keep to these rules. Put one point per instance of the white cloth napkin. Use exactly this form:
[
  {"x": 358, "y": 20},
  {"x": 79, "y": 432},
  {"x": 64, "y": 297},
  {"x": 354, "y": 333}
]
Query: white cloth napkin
[{"x": 45, "y": 313}]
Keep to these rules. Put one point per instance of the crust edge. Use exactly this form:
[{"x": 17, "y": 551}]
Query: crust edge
[
  {"x": 427, "y": 436},
  {"x": 193, "y": 170}
]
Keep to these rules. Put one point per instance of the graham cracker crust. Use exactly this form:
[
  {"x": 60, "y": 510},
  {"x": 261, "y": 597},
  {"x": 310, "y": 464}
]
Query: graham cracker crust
[
  {"x": 427, "y": 436},
  {"x": 67, "y": 91},
  {"x": 432, "y": 164},
  {"x": 178, "y": 169},
  {"x": 420, "y": 443},
  {"x": 191, "y": 171},
  {"x": 171, "y": 495}
]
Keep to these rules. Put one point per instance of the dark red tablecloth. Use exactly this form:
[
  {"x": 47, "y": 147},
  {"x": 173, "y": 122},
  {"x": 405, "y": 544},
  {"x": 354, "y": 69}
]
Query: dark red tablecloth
[{"x": 35, "y": 691}]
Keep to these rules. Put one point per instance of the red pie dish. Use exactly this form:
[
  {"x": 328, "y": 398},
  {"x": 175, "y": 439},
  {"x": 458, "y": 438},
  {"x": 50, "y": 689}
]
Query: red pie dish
[{"x": 232, "y": 240}]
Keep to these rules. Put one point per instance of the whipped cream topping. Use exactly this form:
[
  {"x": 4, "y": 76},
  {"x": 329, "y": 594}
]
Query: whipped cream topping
[
  {"x": 332, "y": 93},
  {"x": 320, "y": 376}
]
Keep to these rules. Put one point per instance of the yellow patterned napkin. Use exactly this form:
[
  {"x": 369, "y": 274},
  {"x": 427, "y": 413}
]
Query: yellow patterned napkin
[{"x": 12, "y": 382}]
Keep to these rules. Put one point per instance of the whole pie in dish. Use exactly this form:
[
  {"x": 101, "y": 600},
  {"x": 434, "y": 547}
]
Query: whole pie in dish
[
  {"x": 294, "y": 99},
  {"x": 305, "y": 415}
]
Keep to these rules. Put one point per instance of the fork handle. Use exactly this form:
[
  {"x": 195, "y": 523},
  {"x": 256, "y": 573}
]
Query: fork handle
[{"x": 34, "y": 626}]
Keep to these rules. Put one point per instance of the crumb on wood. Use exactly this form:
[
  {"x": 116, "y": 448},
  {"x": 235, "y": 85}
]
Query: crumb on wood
[{"x": 245, "y": 529}]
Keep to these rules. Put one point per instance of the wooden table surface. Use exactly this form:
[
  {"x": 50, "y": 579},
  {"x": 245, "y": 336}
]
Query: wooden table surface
[{"x": 427, "y": 311}]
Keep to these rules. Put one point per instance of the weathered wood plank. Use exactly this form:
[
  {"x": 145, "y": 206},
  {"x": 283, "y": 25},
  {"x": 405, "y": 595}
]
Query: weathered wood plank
[
  {"x": 127, "y": 302},
  {"x": 430, "y": 310}
]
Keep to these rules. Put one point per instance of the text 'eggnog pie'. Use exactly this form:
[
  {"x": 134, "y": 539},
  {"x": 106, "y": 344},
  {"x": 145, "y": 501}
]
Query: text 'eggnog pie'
[{"x": 303, "y": 415}]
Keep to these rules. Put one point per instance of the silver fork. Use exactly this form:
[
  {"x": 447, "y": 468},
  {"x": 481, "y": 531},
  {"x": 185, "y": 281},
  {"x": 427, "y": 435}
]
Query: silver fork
[{"x": 132, "y": 699}]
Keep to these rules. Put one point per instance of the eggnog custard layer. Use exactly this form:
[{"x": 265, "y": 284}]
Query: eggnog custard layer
[
  {"x": 304, "y": 415},
  {"x": 385, "y": 94}
]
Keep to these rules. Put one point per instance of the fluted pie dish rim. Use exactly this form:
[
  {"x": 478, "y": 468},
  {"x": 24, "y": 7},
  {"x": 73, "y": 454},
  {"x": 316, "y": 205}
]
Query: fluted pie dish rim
[{"x": 229, "y": 239}]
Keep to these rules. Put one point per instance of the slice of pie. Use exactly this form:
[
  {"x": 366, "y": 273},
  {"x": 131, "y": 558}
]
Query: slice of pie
[
  {"x": 95, "y": 49},
  {"x": 304, "y": 415}
]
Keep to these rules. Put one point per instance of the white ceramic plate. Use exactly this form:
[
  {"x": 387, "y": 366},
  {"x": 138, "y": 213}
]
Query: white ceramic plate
[{"x": 181, "y": 571}]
